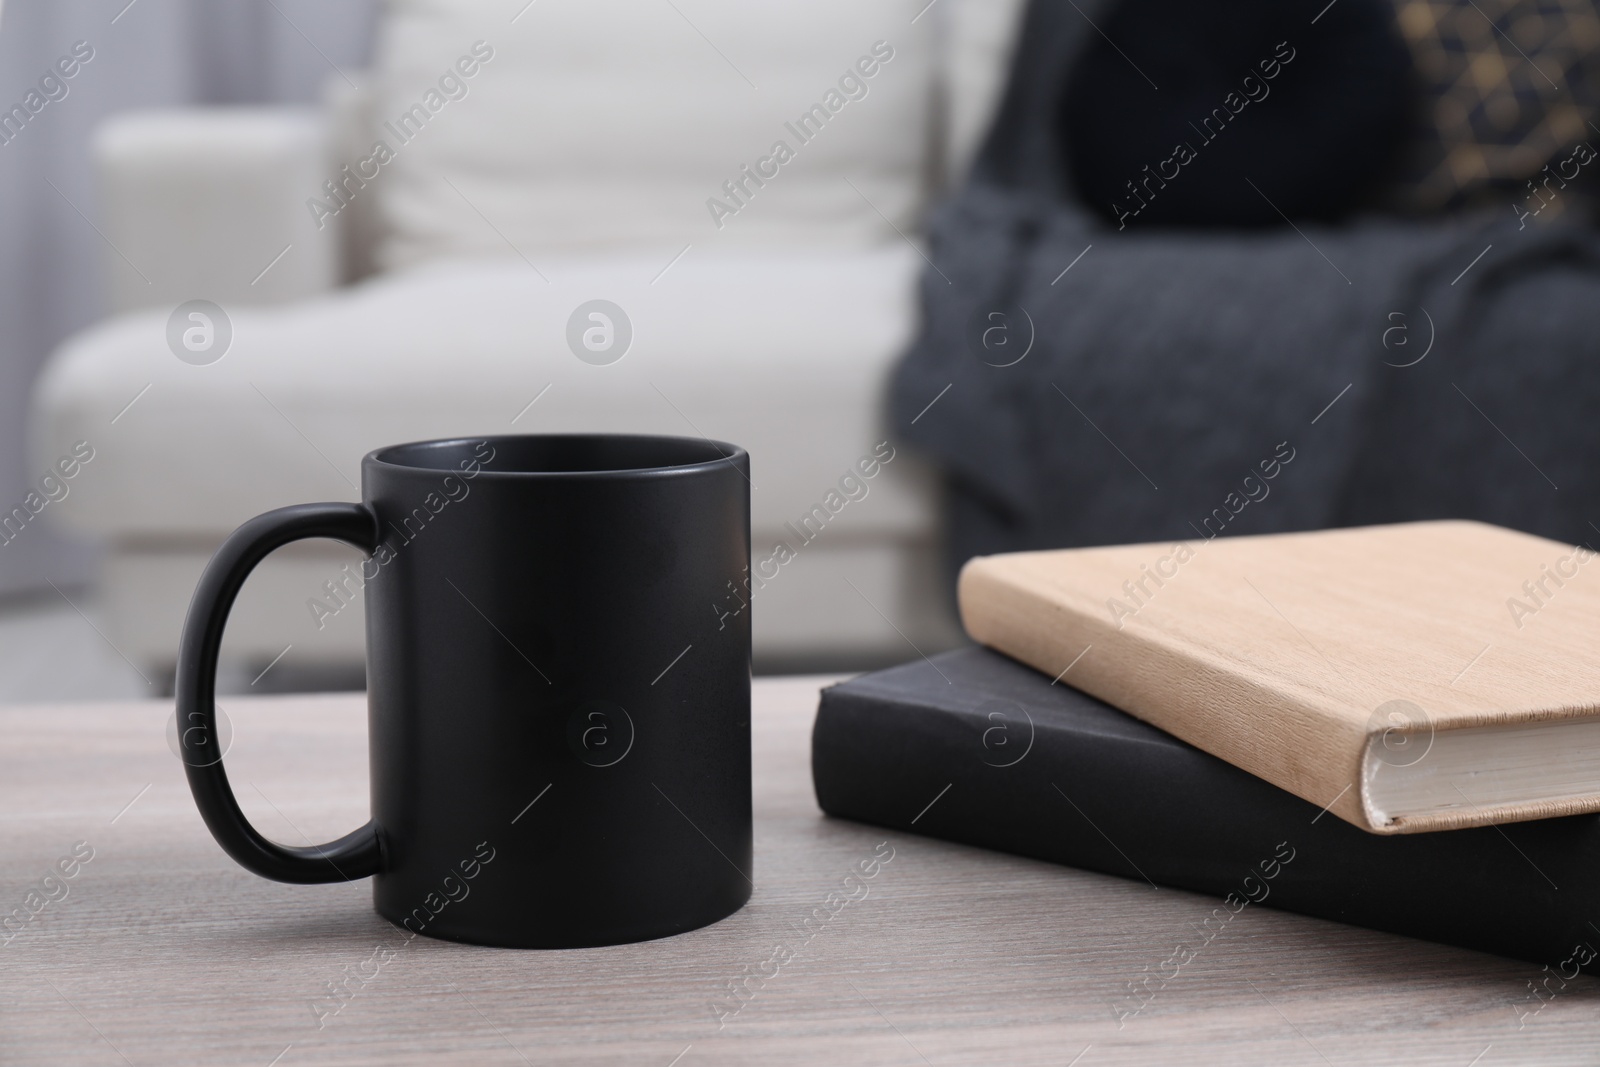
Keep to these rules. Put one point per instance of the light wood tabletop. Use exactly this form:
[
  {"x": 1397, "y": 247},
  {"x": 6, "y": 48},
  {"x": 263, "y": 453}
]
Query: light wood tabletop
[{"x": 158, "y": 950}]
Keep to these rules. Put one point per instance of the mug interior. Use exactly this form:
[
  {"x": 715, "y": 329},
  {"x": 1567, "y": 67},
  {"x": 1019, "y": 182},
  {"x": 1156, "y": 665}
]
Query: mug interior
[{"x": 561, "y": 453}]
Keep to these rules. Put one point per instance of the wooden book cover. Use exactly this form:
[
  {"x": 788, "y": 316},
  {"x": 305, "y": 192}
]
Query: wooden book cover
[{"x": 1422, "y": 676}]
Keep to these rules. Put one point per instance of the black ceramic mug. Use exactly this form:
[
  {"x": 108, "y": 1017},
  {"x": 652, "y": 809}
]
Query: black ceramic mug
[{"x": 558, "y": 696}]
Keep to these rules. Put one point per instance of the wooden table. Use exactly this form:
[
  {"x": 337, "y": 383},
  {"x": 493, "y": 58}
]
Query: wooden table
[{"x": 164, "y": 952}]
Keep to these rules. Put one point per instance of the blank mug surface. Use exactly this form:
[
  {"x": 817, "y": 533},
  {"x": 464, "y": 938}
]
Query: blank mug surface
[{"x": 559, "y": 687}]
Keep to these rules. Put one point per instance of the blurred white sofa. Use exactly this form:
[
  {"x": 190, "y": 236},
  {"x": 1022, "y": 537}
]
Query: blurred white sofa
[{"x": 532, "y": 160}]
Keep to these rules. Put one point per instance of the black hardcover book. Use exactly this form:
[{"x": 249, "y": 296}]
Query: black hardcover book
[{"x": 974, "y": 747}]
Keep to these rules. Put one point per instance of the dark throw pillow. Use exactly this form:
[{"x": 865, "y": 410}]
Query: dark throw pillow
[{"x": 1237, "y": 112}]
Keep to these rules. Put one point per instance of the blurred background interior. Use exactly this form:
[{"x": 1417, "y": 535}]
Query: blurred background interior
[{"x": 1088, "y": 269}]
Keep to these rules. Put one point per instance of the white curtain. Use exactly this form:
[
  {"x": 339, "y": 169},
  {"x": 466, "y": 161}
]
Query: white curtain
[{"x": 147, "y": 53}]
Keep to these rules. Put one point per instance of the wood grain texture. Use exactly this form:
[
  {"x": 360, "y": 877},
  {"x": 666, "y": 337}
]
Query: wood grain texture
[
  {"x": 166, "y": 953},
  {"x": 1275, "y": 652}
]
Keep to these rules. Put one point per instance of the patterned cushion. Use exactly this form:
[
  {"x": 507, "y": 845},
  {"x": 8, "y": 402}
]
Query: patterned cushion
[{"x": 1507, "y": 87}]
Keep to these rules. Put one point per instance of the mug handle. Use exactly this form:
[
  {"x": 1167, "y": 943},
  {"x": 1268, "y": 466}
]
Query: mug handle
[{"x": 355, "y": 855}]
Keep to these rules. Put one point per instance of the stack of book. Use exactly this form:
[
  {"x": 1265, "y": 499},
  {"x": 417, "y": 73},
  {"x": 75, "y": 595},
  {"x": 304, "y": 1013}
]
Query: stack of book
[{"x": 1396, "y": 727}]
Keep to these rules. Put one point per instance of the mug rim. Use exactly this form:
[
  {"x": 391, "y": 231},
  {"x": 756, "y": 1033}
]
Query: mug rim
[{"x": 721, "y": 452}]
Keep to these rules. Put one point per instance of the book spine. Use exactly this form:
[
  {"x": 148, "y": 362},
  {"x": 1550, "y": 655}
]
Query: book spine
[
  {"x": 1165, "y": 814},
  {"x": 1277, "y": 732}
]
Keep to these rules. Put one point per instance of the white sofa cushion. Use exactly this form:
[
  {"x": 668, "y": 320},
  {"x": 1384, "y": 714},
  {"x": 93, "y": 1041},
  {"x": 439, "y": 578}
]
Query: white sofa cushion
[
  {"x": 978, "y": 39},
  {"x": 783, "y": 354},
  {"x": 607, "y": 123}
]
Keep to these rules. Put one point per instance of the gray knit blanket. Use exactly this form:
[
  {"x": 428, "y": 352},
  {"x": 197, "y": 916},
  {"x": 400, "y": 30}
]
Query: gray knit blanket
[{"x": 1082, "y": 385}]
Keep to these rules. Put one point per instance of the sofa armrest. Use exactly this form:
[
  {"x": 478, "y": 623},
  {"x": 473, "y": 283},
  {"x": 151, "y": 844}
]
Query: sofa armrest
[
  {"x": 350, "y": 107},
  {"x": 211, "y": 203}
]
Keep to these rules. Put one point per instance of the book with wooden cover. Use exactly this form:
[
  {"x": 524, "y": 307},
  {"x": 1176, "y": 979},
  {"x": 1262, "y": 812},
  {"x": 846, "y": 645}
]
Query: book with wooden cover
[{"x": 1421, "y": 676}]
